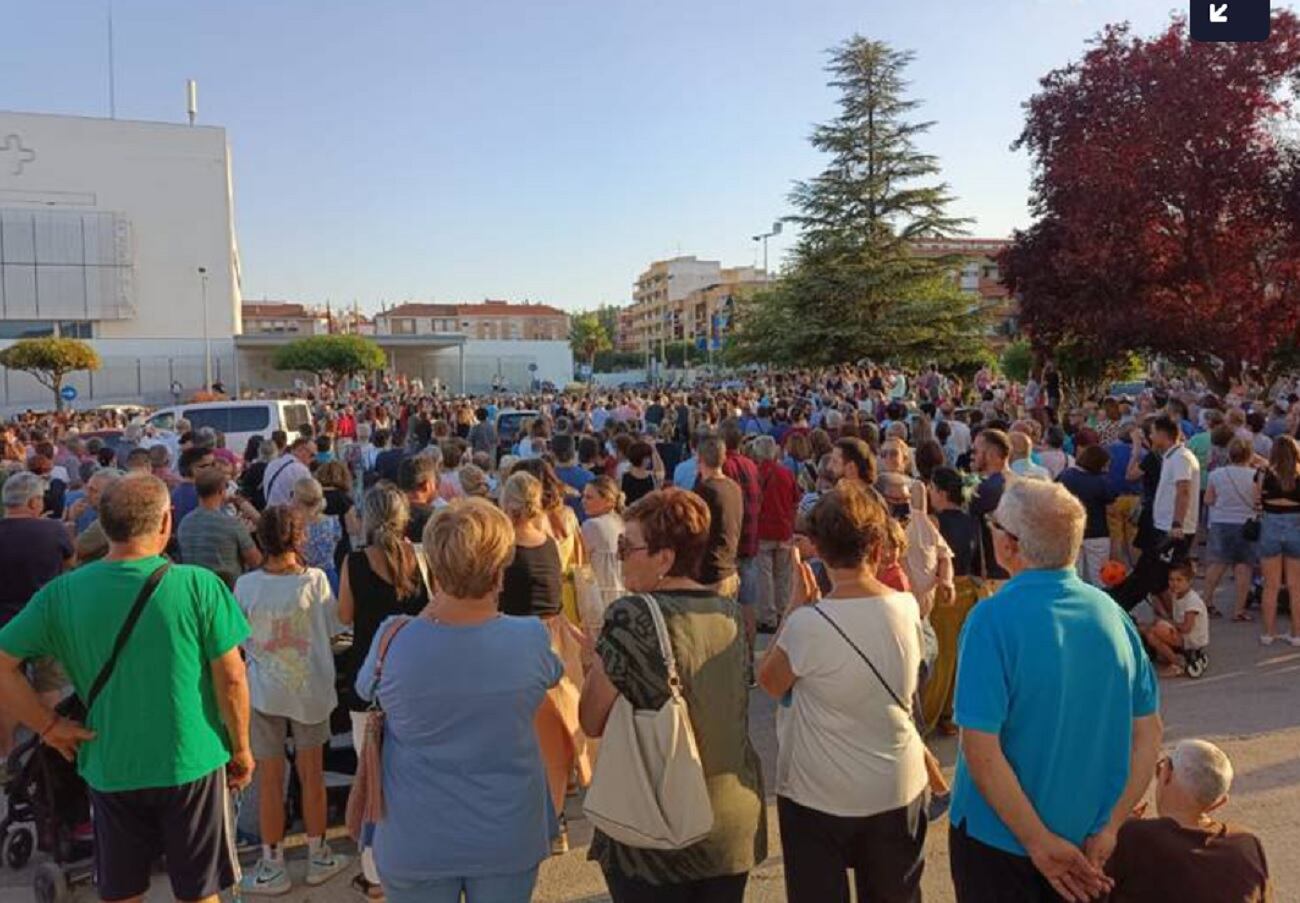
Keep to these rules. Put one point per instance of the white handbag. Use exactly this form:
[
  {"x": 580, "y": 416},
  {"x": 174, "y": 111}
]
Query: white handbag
[{"x": 648, "y": 789}]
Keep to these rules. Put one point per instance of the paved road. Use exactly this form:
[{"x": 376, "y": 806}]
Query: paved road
[{"x": 1249, "y": 703}]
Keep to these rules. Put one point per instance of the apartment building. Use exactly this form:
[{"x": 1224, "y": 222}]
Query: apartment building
[{"x": 684, "y": 299}]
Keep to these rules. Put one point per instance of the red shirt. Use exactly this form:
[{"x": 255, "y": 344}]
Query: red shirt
[
  {"x": 780, "y": 501},
  {"x": 745, "y": 472}
]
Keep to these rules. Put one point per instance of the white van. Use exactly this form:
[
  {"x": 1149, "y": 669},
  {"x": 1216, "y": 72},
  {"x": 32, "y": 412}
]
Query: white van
[{"x": 238, "y": 420}]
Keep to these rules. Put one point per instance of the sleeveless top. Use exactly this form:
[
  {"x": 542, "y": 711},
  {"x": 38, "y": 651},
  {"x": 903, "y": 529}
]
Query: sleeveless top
[{"x": 374, "y": 599}]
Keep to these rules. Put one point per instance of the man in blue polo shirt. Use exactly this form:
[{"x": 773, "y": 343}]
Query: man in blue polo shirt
[{"x": 1057, "y": 704}]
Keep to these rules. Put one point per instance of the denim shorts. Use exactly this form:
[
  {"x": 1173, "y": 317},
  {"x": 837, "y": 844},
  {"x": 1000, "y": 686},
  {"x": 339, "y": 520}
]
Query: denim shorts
[
  {"x": 1280, "y": 535},
  {"x": 1227, "y": 545},
  {"x": 508, "y": 888}
]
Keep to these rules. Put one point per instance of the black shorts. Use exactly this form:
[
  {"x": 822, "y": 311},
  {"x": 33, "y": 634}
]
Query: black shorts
[{"x": 190, "y": 825}]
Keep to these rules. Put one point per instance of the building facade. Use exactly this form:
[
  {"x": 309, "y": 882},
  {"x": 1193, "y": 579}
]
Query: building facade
[
  {"x": 979, "y": 277},
  {"x": 684, "y": 299},
  {"x": 489, "y": 321},
  {"x": 120, "y": 233},
  {"x": 284, "y": 318}
]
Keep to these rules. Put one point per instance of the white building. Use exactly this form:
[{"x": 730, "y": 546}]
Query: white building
[{"x": 104, "y": 226}]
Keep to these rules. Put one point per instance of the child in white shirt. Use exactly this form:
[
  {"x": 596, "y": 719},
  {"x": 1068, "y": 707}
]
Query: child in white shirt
[{"x": 1186, "y": 637}]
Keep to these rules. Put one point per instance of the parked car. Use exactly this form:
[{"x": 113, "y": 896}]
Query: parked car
[{"x": 238, "y": 420}]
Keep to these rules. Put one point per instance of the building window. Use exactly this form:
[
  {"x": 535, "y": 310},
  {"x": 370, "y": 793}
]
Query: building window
[
  {"x": 25, "y": 329},
  {"x": 75, "y": 329},
  {"x": 403, "y": 326}
]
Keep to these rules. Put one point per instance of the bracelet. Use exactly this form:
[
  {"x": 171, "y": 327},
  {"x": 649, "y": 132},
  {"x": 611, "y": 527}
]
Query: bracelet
[{"x": 49, "y": 727}]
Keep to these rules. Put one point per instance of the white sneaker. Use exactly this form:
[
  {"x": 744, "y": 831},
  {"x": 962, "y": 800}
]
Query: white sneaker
[
  {"x": 325, "y": 865},
  {"x": 1266, "y": 639},
  {"x": 268, "y": 879}
]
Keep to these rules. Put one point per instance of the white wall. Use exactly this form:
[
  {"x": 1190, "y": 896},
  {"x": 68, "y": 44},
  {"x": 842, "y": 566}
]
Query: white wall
[{"x": 172, "y": 183}]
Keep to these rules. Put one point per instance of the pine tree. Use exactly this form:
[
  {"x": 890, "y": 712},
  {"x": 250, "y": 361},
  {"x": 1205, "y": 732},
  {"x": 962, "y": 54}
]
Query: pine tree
[{"x": 854, "y": 288}]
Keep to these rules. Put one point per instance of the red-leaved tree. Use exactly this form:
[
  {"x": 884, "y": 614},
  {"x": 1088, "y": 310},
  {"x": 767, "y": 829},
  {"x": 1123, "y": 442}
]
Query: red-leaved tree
[{"x": 1165, "y": 192}]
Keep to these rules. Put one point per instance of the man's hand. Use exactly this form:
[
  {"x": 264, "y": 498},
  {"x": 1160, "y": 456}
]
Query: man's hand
[
  {"x": 1068, "y": 870},
  {"x": 1099, "y": 847},
  {"x": 65, "y": 736},
  {"x": 945, "y": 594},
  {"x": 78, "y": 508},
  {"x": 239, "y": 771},
  {"x": 1176, "y": 534}
]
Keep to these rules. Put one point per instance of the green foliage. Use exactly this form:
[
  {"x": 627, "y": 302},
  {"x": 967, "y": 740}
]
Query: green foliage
[
  {"x": 1017, "y": 360},
  {"x": 332, "y": 358},
  {"x": 588, "y": 336},
  {"x": 50, "y": 360},
  {"x": 614, "y": 361},
  {"x": 854, "y": 288}
]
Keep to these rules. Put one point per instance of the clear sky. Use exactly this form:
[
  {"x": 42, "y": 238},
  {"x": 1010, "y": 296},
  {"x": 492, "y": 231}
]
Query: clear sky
[{"x": 546, "y": 150}]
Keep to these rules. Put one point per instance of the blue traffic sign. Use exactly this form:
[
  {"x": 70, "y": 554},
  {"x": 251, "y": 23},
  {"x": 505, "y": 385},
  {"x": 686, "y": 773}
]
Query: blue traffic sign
[{"x": 68, "y": 393}]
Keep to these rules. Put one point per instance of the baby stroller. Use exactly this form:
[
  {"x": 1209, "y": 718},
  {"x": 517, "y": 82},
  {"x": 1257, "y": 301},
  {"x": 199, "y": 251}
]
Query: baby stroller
[{"x": 48, "y": 809}]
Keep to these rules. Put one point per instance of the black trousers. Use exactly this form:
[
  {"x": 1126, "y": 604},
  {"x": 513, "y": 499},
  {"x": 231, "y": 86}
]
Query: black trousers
[
  {"x": 985, "y": 874},
  {"x": 886, "y": 852},
  {"x": 725, "y": 889}
]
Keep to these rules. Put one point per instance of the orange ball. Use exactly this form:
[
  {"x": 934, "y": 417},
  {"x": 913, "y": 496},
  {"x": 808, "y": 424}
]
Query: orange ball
[{"x": 1113, "y": 573}]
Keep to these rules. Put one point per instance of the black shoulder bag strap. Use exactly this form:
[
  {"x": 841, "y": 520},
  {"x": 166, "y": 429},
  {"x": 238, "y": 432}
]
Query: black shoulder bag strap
[
  {"x": 146, "y": 591},
  {"x": 271, "y": 485},
  {"x": 862, "y": 655}
]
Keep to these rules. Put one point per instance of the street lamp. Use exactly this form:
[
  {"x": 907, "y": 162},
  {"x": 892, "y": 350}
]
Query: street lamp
[
  {"x": 207, "y": 340},
  {"x": 763, "y": 237}
]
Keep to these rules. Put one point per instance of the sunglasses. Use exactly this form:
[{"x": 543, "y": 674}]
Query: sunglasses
[
  {"x": 625, "y": 548},
  {"x": 993, "y": 522}
]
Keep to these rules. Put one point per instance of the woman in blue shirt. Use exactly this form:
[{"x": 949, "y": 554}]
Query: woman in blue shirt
[{"x": 464, "y": 790}]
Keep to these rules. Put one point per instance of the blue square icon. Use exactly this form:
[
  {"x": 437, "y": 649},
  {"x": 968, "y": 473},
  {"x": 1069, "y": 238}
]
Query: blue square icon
[{"x": 1230, "y": 20}]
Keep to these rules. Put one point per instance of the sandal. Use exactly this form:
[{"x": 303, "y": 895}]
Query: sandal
[
  {"x": 366, "y": 889},
  {"x": 1242, "y": 617}
]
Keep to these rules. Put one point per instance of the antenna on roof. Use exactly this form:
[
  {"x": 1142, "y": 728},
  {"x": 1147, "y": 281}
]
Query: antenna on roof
[
  {"x": 112, "y": 87},
  {"x": 192, "y": 99}
]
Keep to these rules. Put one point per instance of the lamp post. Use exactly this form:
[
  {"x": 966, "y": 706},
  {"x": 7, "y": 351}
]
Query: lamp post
[
  {"x": 763, "y": 237},
  {"x": 207, "y": 340}
]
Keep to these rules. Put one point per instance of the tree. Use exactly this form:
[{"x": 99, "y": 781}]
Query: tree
[
  {"x": 50, "y": 361},
  {"x": 331, "y": 358},
  {"x": 587, "y": 337},
  {"x": 1165, "y": 188},
  {"x": 854, "y": 286},
  {"x": 1017, "y": 361}
]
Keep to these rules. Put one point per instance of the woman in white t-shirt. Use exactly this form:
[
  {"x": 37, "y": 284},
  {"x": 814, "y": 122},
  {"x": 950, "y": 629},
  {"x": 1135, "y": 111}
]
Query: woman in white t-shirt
[
  {"x": 1230, "y": 498},
  {"x": 851, "y": 775},
  {"x": 291, "y": 613}
]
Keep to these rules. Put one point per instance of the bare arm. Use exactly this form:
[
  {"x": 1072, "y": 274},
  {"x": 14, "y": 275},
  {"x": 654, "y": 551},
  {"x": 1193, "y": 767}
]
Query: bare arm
[
  {"x": 251, "y": 557},
  {"x": 230, "y": 683},
  {"x": 598, "y": 697},
  {"x": 347, "y": 604},
  {"x": 1182, "y": 500},
  {"x": 1134, "y": 469},
  {"x": 22, "y": 703},
  {"x": 1147, "y": 732},
  {"x": 775, "y": 675}
]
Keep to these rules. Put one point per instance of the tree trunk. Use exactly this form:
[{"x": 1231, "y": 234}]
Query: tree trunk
[{"x": 58, "y": 393}]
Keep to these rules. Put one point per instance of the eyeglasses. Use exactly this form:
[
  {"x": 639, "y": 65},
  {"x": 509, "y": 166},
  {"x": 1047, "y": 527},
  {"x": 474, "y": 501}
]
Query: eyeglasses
[
  {"x": 993, "y": 522},
  {"x": 625, "y": 549}
]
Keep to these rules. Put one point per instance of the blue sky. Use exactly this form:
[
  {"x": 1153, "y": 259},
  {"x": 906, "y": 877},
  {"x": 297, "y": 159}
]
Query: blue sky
[{"x": 544, "y": 150}]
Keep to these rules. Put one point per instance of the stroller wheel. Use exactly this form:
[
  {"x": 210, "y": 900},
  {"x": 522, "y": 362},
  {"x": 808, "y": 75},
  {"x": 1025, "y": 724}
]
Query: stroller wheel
[
  {"x": 18, "y": 846},
  {"x": 50, "y": 884}
]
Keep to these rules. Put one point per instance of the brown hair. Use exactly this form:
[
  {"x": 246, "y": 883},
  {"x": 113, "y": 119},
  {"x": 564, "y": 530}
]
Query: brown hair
[
  {"x": 281, "y": 529},
  {"x": 1239, "y": 450},
  {"x": 334, "y": 475},
  {"x": 1093, "y": 458},
  {"x": 1285, "y": 461},
  {"x": 847, "y": 525},
  {"x": 608, "y": 489},
  {"x": 678, "y": 520}
]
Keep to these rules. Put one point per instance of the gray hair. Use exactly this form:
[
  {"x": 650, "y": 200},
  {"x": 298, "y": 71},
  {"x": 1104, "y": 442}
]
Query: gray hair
[
  {"x": 106, "y": 476},
  {"x": 134, "y": 507},
  {"x": 309, "y": 494},
  {"x": 434, "y": 451},
  {"x": 384, "y": 510},
  {"x": 205, "y": 437},
  {"x": 1203, "y": 770},
  {"x": 182, "y": 425},
  {"x": 133, "y": 432},
  {"x": 1046, "y": 520},
  {"x": 763, "y": 448},
  {"x": 363, "y": 432},
  {"x": 21, "y": 488}
]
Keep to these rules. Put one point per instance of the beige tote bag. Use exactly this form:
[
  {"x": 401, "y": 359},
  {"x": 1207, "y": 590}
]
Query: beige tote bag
[{"x": 648, "y": 789}]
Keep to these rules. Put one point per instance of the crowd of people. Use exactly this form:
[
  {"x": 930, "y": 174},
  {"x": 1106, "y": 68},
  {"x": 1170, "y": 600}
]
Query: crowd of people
[{"x": 926, "y": 556}]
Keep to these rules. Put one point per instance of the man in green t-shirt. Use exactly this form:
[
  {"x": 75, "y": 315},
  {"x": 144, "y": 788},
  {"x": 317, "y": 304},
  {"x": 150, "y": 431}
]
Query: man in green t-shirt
[{"x": 168, "y": 733}]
